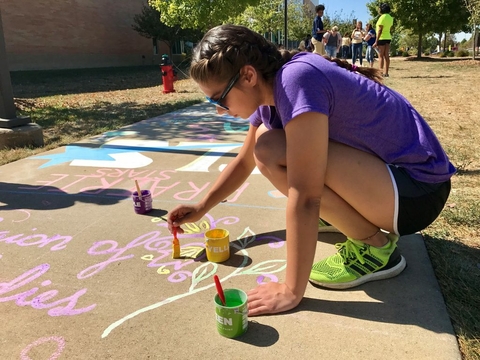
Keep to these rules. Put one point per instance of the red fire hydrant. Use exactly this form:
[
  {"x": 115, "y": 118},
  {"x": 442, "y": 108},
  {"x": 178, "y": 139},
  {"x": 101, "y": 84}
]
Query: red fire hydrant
[{"x": 168, "y": 74}]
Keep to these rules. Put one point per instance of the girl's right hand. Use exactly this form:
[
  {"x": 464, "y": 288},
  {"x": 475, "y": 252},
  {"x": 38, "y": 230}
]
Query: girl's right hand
[{"x": 182, "y": 214}]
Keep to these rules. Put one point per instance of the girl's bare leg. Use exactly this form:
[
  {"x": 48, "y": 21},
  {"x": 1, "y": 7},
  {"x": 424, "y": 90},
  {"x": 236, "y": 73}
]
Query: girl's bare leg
[
  {"x": 387, "y": 58},
  {"x": 358, "y": 197},
  {"x": 382, "y": 57}
]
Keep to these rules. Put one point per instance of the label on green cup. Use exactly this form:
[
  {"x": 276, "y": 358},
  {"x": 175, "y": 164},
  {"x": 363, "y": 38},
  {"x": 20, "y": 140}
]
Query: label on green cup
[{"x": 232, "y": 319}]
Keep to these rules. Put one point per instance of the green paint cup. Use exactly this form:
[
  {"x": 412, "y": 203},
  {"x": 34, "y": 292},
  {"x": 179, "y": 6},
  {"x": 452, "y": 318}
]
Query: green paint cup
[{"x": 232, "y": 319}]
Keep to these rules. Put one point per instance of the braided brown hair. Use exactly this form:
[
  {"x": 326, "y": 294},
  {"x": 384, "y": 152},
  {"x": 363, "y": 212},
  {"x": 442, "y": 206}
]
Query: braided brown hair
[{"x": 225, "y": 49}]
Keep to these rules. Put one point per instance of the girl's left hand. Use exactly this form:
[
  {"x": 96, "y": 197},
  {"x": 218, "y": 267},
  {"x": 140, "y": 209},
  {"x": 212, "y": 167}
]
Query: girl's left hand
[{"x": 271, "y": 298}]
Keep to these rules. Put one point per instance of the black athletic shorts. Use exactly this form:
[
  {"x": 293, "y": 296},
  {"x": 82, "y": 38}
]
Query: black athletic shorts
[
  {"x": 383, "y": 42},
  {"x": 417, "y": 204}
]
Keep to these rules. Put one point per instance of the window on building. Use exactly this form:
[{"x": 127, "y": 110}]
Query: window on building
[{"x": 178, "y": 47}]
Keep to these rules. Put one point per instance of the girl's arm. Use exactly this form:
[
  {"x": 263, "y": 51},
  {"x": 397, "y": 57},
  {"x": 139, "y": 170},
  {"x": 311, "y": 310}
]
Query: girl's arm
[
  {"x": 325, "y": 37},
  {"x": 307, "y": 149},
  {"x": 380, "y": 29}
]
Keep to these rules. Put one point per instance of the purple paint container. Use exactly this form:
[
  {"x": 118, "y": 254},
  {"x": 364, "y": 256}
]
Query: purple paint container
[{"x": 144, "y": 205}]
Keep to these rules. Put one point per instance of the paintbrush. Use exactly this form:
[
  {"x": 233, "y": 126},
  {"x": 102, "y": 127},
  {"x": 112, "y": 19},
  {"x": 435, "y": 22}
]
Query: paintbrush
[
  {"x": 139, "y": 192},
  {"x": 175, "y": 245},
  {"x": 220, "y": 292}
]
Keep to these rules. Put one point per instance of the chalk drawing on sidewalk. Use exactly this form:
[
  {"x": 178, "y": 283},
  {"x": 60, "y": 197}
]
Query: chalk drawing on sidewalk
[
  {"x": 60, "y": 342},
  {"x": 126, "y": 154},
  {"x": 39, "y": 301},
  {"x": 230, "y": 129},
  {"x": 26, "y": 215},
  {"x": 128, "y": 160},
  {"x": 113, "y": 134},
  {"x": 107, "y": 157},
  {"x": 271, "y": 278},
  {"x": 206, "y": 270},
  {"x": 276, "y": 194}
]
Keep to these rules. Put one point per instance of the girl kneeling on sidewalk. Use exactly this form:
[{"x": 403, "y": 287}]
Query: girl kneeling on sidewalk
[{"x": 337, "y": 143}]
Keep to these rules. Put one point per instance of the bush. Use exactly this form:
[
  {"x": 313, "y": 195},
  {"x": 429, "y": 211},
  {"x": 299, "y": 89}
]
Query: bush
[
  {"x": 426, "y": 53},
  {"x": 462, "y": 53},
  {"x": 405, "y": 54},
  {"x": 447, "y": 53}
]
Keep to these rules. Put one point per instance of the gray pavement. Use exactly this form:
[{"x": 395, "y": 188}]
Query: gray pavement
[{"x": 84, "y": 277}]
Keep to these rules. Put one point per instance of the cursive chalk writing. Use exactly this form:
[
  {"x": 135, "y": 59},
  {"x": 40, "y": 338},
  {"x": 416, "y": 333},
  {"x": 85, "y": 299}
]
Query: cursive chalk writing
[
  {"x": 39, "y": 301},
  {"x": 40, "y": 240}
]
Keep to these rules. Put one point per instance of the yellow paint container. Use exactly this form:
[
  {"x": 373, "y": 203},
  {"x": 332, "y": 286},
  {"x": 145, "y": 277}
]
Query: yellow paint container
[{"x": 217, "y": 245}]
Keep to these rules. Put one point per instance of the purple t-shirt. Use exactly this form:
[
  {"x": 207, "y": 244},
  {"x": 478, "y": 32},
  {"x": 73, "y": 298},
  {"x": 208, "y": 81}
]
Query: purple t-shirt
[{"x": 361, "y": 113}]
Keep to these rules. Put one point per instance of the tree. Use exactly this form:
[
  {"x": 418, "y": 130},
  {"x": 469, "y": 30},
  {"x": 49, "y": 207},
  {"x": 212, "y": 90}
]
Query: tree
[
  {"x": 199, "y": 14},
  {"x": 473, "y": 7},
  {"x": 421, "y": 17},
  {"x": 149, "y": 25},
  {"x": 452, "y": 18},
  {"x": 409, "y": 40},
  {"x": 426, "y": 16},
  {"x": 268, "y": 17},
  {"x": 300, "y": 20},
  {"x": 265, "y": 17},
  {"x": 345, "y": 24},
  {"x": 373, "y": 10}
]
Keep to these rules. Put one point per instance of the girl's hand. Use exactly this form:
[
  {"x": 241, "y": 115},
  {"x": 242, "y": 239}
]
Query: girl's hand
[
  {"x": 182, "y": 214},
  {"x": 271, "y": 298}
]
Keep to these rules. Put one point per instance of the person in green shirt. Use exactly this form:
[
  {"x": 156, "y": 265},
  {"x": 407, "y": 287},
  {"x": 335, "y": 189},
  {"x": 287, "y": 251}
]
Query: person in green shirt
[{"x": 384, "y": 37}]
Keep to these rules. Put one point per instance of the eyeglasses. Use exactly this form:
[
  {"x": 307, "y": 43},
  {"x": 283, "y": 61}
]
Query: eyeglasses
[{"x": 229, "y": 87}]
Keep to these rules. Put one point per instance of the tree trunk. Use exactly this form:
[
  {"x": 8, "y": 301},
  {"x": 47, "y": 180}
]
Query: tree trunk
[
  {"x": 445, "y": 43},
  {"x": 419, "y": 48},
  {"x": 475, "y": 39}
]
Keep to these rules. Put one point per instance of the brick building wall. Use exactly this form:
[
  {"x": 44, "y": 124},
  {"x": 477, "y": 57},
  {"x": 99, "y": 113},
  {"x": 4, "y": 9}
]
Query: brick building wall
[{"x": 59, "y": 34}]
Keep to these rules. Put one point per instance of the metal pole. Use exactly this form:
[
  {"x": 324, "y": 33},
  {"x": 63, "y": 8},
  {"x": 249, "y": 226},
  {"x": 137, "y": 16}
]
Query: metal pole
[
  {"x": 285, "y": 37},
  {"x": 7, "y": 106},
  {"x": 8, "y": 112}
]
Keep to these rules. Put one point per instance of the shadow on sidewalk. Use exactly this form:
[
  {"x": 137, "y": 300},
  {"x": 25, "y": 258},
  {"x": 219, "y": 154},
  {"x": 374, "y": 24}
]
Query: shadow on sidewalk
[{"x": 20, "y": 196}]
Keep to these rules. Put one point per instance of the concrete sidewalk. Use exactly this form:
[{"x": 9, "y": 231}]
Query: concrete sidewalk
[{"x": 84, "y": 277}]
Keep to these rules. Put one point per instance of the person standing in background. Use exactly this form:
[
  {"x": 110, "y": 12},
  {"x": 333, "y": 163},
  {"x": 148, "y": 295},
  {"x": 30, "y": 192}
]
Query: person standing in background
[
  {"x": 357, "y": 43},
  {"x": 384, "y": 37},
  {"x": 317, "y": 31},
  {"x": 346, "y": 44},
  {"x": 333, "y": 40},
  {"x": 308, "y": 43},
  {"x": 370, "y": 39}
]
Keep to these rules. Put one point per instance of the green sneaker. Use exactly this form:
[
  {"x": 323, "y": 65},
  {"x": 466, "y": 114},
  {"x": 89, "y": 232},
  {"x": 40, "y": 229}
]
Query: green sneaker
[
  {"x": 325, "y": 227},
  {"x": 356, "y": 263}
]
